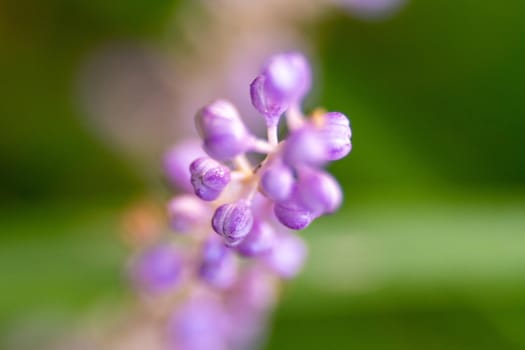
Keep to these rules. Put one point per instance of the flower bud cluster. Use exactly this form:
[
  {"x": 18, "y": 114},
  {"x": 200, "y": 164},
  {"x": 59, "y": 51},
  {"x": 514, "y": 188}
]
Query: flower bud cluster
[{"x": 238, "y": 218}]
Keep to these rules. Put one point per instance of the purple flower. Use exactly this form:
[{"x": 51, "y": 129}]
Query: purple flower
[
  {"x": 336, "y": 134},
  {"x": 259, "y": 241},
  {"x": 288, "y": 255},
  {"x": 249, "y": 303},
  {"x": 305, "y": 146},
  {"x": 233, "y": 221},
  {"x": 291, "y": 214},
  {"x": 253, "y": 291},
  {"x": 186, "y": 213},
  {"x": 222, "y": 130},
  {"x": 198, "y": 324},
  {"x": 318, "y": 192},
  {"x": 372, "y": 9},
  {"x": 218, "y": 266},
  {"x": 209, "y": 178},
  {"x": 251, "y": 206},
  {"x": 177, "y": 160},
  {"x": 158, "y": 269},
  {"x": 277, "y": 181},
  {"x": 284, "y": 80}
]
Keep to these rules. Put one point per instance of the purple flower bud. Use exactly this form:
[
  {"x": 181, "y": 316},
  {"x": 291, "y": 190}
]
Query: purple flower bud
[
  {"x": 258, "y": 241},
  {"x": 187, "y": 212},
  {"x": 209, "y": 178},
  {"x": 336, "y": 133},
  {"x": 292, "y": 215},
  {"x": 222, "y": 130},
  {"x": 198, "y": 324},
  {"x": 233, "y": 221},
  {"x": 277, "y": 182},
  {"x": 177, "y": 161},
  {"x": 158, "y": 269},
  {"x": 318, "y": 192},
  {"x": 288, "y": 255},
  {"x": 218, "y": 266},
  {"x": 284, "y": 80},
  {"x": 267, "y": 102},
  {"x": 305, "y": 146}
]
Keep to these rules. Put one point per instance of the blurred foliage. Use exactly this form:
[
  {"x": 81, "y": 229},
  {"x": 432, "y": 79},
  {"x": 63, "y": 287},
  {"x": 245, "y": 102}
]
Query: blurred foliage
[
  {"x": 434, "y": 184},
  {"x": 434, "y": 94}
]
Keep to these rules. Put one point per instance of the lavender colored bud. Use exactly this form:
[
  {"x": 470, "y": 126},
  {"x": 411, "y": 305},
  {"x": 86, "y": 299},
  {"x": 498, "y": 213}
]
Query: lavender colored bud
[
  {"x": 292, "y": 215},
  {"x": 289, "y": 75},
  {"x": 266, "y": 101},
  {"x": 284, "y": 80},
  {"x": 218, "y": 266},
  {"x": 277, "y": 182},
  {"x": 337, "y": 134},
  {"x": 209, "y": 178},
  {"x": 158, "y": 269},
  {"x": 177, "y": 160},
  {"x": 222, "y": 130},
  {"x": 288, "y": 255},
  {"x": 198, "y": 324},
  {"x": 305, "y": 146},
  {"x": 187, "y": 212},
  {"x": 258, "y": 241},
  {"x": 233, "y": 221},
  {"x": 318, "y": 192}
]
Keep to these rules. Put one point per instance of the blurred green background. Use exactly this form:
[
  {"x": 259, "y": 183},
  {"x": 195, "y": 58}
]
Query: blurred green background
[{"x": 429, "y": 249}]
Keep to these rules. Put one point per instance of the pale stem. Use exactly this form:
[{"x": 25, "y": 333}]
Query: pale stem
[
  {"x": 262, "y": 146},
  {"x": 272, "y": 135},
  {"x": 238, "y": 175},
  {"x": 294, "y": 117},
  {"x": 242, "y": 163},
  {"x": 253, "y": 191}
]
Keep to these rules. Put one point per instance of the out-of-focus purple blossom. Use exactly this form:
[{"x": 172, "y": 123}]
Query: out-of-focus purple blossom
[
  {"x": 186, "y": 213},
  {"x": 305, "y": 146},
  {"x": 372, "y": 9},
  {"x": 222, "y": 130},
  {"x": 336, "y": 134},
  {"x": 253, "y": 289},
  {"x": 284, "y": 81},
  {"x": 208, "y": 178},
  {"x": 288, "y": 255},
  {"x": 289, "y": 74},
  {"x": 233, "y": 221},
  {"x": 253, "y": 207},
  {"x": 318, "y": 192},
  {"x": 177, "y": 161},
  {"x": 158, "y": 269},
  {"x": 291, "y": 214},
  {"x": 249, "y": 303},
  {"x": 259, "y": 241},
  {"x": 218, "y": 266},
  {"x": 277, "y": 181},
  {"x": 198, "y": 324}
]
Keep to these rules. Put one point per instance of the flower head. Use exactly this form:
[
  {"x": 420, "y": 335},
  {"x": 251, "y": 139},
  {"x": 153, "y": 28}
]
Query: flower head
[{"x": 252, "y": 208}]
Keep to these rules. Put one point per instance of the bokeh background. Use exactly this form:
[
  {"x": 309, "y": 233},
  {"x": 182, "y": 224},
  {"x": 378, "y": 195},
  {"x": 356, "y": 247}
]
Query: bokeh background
[{"x": 429, "y": 249}]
